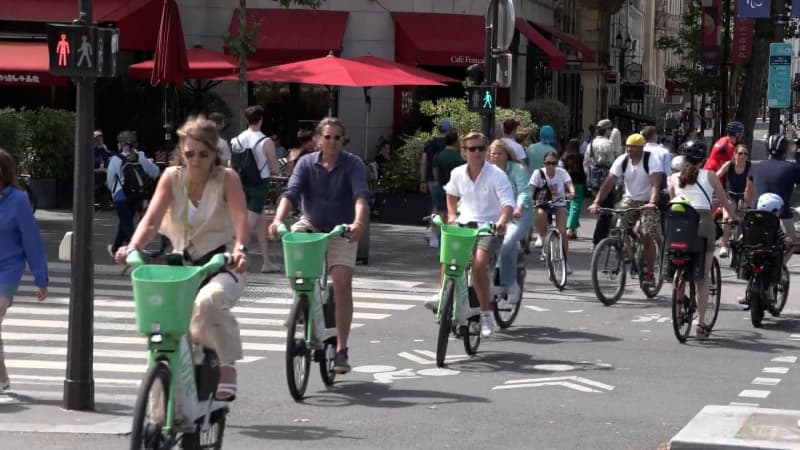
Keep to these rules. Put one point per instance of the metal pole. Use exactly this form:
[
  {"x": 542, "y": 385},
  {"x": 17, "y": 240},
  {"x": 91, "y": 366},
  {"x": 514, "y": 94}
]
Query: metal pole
[
  {"x": 79, "y": 382},
  {"x": 487, "y": 120},
  {"x": 779, "y": 8},
  {"x": 722, "y": 116},
  {"x": 621, "y": 71}
]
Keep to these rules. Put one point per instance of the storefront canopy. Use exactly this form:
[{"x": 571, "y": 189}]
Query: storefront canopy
[
  {"x": 137, "y": 20},
  {"x": 289, "y": 35},
  {"x": 26, "y": 64},
  {"x": 430, "y": 39},
  {"x": 585, "y": 52}
]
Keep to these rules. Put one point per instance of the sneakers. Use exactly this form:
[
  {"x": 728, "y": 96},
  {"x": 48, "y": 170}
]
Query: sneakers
[
  {"x": 744, "y": 303},
  {"x": 433, "y": 303},
  {"x": 4, "y": 385},
  {"x": 538, "y": 243},
  {"x": 487, "y": 324},
  {"x": 724, "y": 252},
  {"x": 269, "y": 267},
  {"x": 514, "y": 293},
  {"x": 569, "y": 270},
  {"x": 648, "y": 280},
  {"x": 340, "y": 363},
  {"x": 434, "y": 241},
  {"x": 110, "y": 251}
]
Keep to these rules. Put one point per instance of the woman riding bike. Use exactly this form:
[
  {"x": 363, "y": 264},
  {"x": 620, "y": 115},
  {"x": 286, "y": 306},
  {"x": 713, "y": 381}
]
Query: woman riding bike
[
  {"x": 558, "y": 181},
  {"x": 734, "y": 175},
  {"x": 199, "y": 205},
  {"x": 697, "y": 187},
  {"x": 502, "y": 156}
]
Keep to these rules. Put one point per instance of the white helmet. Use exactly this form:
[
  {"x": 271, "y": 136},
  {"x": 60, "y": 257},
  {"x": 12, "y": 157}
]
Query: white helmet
[
  {"x": 677, "y": 163},
  {"x": 769, "y": 202}
]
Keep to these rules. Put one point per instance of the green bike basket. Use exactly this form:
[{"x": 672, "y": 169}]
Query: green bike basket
[
  {"x": 304, "y": 254},
  {"x": 164, "y": 297},
  {"x": 456, "y": 245}
]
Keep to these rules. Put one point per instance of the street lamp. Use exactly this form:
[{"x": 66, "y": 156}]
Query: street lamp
[{"x": 623, "y": 45}]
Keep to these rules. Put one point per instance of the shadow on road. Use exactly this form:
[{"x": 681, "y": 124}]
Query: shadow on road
[
  {"x": 524, "y": 364},
  {"x": 752, "y": 340},
  {"x": 378, "y": 395},
  {"x": 552, "y": 335},
  {"x": 291, "y": 433}
]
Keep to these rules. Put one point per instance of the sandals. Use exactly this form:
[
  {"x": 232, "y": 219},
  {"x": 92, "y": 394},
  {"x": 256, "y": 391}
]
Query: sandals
[
  {"x": 703, "y": 331},
  {"x": 226, "y": 392}
]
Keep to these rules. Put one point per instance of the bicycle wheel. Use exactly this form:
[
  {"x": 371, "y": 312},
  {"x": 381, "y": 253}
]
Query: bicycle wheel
[
  {"x": 714, "y": 294},
  {"x": 554, "y": 258},
  {"x": 782, "y": 293},
  {"x": 471, "y": 334},
  {"x": 682, "y": 310},
  {"x": 150, "y": 412},
  {"x": 505, "y": 312},
  {"x": 326, "y": 361},
  {"x": 298, "y": 355},
  {"x": 755, "y": 293},
  {"x": 210, "y": 439},
  {"x": 658, "y": 279},
  {"x": 608, "y": 271},
  {"x": 445, "y": 322}
]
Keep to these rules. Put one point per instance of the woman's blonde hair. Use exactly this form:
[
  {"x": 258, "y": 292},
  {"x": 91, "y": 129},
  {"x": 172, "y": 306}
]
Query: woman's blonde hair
[
  {"x": 200, "y": 129},
  {"x": 473, "y": 135},
  {"x": 506, "y": 148}
]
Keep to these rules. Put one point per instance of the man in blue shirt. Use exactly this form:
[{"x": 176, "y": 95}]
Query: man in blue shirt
[{"x": 331, "y": 185}]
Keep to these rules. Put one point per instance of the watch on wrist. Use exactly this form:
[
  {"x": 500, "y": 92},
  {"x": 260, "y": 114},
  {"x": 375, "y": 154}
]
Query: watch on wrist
[{"x": 240, "y": 248}]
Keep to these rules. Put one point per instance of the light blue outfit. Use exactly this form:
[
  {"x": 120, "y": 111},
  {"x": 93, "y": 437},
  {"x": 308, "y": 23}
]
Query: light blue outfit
[
  {"x": 516, "y": 229},
  {"x": 115, "y": 180},
  {"x": 20, "y": 242}
]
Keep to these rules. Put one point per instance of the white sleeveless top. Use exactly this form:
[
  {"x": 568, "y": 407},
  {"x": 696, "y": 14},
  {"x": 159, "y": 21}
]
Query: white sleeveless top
[{"x": 700, "y": 201}]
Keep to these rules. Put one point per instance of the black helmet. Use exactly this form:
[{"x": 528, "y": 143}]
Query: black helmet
[
  {"x": 127, "y": 137},
  {"x": 735, "y": 127},
  {"x": 777, "y": 145},
  {"x": 694, "y": 151}
]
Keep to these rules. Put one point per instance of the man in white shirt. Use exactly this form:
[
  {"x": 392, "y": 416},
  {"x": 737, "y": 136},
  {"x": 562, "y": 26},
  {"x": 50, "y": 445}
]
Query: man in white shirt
[
  {"x": 486, "y": 195},
  {"x": 660, "y": 155},
  {"x": 642, "y": 189},
  {"x": 509, "y": 136},
  {"x": 256, "y": 194},
  {"x": 222, "y": 144}
]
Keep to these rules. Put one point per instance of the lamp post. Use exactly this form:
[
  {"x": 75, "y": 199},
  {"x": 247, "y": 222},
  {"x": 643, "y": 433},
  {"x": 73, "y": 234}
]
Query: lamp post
[{"x": 622, "y": 45}]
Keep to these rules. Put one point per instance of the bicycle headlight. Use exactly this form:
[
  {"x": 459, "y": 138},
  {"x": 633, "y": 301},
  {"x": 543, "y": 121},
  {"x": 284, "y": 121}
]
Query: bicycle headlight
[
  {"x": 156, "y": 338},
  {"x": 298, "y": 281},
  {"x": 453, "y": 267}
]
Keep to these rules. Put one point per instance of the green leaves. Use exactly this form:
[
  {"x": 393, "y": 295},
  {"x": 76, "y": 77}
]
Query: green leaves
[{"x": 42, "y": 141}]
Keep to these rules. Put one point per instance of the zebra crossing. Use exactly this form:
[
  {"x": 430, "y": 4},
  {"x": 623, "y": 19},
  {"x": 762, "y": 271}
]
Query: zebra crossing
[{"x": 35, "y": 334}]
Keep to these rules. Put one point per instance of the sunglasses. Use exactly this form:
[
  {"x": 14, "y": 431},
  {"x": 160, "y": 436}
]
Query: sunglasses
[
  {"x": 475, "y": 148},
  {"x": 336, "y": 137},
  {"x": 742, "y": 153},
  {"x": 203, "y": 154},
  {"x": 550, "y": 163}
]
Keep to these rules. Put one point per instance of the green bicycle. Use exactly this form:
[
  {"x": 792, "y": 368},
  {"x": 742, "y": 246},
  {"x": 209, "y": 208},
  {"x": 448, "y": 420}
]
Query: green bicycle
[
  {"x": 457, "y": 310},
  {"x": 312, "y": 313},
  {"x": 177, "y": 375}
]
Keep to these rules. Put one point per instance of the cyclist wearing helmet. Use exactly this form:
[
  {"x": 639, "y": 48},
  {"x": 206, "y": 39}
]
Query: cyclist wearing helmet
[
  {"x": 698, "y": 187},
  {"x": 777, "y": 176},
  {"x": 723, "y": 149}
]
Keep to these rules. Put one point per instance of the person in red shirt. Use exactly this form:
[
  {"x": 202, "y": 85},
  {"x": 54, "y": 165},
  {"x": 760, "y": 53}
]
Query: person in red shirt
[{"x": 723, "y": 149}]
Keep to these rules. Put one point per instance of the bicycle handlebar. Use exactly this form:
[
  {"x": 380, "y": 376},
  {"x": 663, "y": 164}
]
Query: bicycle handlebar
[
  {"x": 620, "y": 210},
  {"x": 218, "y": 261},
  {"x": 338, "y": 230},
  {"x": 485, "y": 228}
]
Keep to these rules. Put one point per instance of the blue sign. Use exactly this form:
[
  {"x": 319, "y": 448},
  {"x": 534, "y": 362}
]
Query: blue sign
[
  {"x": 779, "y": 84},
  {"x": 754, "y": 9},
  {"x": 795, "y": 8}
]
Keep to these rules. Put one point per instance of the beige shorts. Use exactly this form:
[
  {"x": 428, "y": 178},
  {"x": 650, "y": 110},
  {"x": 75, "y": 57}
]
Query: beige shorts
[{"x": 341, "y": 252}]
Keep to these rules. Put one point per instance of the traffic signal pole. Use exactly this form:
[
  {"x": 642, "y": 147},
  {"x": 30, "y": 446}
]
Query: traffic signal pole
[
  {"x": 779, "y": 16},
  {"x": 487, "y": 119},
  {"x": 79, "y": 381}
]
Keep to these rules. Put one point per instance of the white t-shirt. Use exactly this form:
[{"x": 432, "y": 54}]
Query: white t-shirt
[
  {"x": 483, "y": 200},
  {"x": 248, "y": 139},
  {"x": 637, "y": 181},
  {"x": 224, "y": 151},
  {"x": 661, "y": 156},
  {"x": 517, "y": 147},
  {"x": 557, "y": 184}
]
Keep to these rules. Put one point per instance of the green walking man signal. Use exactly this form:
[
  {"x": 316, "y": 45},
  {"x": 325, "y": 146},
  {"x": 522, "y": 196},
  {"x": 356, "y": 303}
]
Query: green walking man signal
[{"x": 481, "y": 98}]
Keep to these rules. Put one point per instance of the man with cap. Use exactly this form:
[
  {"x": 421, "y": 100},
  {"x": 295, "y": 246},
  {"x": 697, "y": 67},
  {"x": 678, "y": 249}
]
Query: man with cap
[
  {"x": 509, "y": 132},
  {"x": 101, "y": 153},
  {"x": 535, "y": 153},
  {"x": 642, "y": 189},
  {"x": 600, "y": 154},
  {"x": 427, "y": 182}
]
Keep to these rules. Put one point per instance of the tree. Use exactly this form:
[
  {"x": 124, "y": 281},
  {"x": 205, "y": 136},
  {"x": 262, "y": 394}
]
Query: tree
[{"x": 244, "y": 43}]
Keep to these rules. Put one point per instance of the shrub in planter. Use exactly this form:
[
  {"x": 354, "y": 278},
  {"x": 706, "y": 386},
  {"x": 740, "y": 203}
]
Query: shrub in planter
[
  {"x": 10, "y": 132},
  {"x": 48, "y": 140},
  {"x": 548, "y": 111}
]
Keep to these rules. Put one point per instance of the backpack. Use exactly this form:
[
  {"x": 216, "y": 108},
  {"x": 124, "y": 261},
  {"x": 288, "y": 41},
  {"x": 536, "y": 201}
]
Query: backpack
[
  {"x": 542, "y": 194},
  {"x": 597, "y": 172},
  {"x": 136, "y": 184},
  {"x": 244, "y": 163}
]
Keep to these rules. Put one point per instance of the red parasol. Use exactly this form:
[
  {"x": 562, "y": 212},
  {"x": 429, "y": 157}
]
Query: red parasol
[{"x": 171, "y": 63}]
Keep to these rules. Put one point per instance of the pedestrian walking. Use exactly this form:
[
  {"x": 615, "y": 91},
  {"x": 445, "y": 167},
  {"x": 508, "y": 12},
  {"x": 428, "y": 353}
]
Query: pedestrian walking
[
  {"x": 427, "y": 183},
  {"x": 222, "y": 144},
  {"x": 20, "y": 243},
  {"x": 573, "y": 164}
]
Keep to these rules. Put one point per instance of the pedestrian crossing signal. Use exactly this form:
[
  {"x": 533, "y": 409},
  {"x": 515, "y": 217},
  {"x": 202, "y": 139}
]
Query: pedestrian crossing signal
[
  {"x": 481, "y": 98},
  {"x": 82, "y": 51}
]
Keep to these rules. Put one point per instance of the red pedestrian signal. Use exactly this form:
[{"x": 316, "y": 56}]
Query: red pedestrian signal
[{"x": 63, "y": 50}]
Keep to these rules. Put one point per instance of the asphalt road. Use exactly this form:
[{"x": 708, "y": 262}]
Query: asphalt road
[{"x": 571, "y": 373}]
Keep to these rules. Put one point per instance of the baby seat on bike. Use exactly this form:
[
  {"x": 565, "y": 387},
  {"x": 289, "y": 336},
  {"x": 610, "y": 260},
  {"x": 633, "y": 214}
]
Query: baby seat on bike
[
  {"x": 760, "y": 245},
  {"x": 682, "y": 238}
]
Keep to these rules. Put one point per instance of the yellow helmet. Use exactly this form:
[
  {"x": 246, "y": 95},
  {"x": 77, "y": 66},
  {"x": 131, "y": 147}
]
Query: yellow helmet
[
  {"x": 636, "y": 140},
  {"x": 677, "y": 204}
]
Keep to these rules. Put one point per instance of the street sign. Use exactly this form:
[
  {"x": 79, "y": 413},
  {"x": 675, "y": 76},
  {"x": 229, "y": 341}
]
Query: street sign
[
  {"x": 481, "y": 98},
  {"x": 82, "y": 51},
  {"x": 503, "y": 69},
  {"x": 506, "y": 18},
  {"x": 779, "y": 84}
]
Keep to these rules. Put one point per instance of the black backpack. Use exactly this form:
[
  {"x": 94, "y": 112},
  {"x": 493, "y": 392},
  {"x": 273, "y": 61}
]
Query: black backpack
[
  {"x": 244, "y": 163},
  {"x": 136, "y": 184}
]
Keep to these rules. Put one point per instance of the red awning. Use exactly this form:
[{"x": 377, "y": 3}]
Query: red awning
[
  {"x": 26, "y": 64},
  {"x": 586, "y": 52},
  {"x": 137, "y": 20},
  {"x": 204, "y": 64},
  {"x": 556, "y": 60},
  {"x": 289, "y": 35},
  {"x": 429, "y": 39}
]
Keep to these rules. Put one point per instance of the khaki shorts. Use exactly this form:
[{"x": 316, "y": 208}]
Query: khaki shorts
[
  {"x": 650, "y": 222},
  {"x": 341, "y": 252},
  {"x": 707, "y": 229}
]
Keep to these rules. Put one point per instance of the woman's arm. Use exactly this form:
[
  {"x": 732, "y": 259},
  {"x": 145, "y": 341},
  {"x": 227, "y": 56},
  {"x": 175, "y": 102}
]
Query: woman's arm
[
  {"x": 32, "y": 243},
  {"x": 723, "y": 170},
  {"x": 722, "y": 196},
  {"x": 234, "y": 197}
]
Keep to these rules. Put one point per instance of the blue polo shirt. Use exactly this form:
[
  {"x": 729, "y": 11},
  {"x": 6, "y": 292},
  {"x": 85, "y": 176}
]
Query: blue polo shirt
[
  {"x": 328, "y": 196},
  {"x": 778, "y": 177}
]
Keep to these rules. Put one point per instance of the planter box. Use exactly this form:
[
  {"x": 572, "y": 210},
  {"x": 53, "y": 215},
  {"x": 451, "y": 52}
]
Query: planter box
[
  {"x": 402, "y": 209},
  {"x": 64, "y": 194},
  {"x": 46, "y": 192}
]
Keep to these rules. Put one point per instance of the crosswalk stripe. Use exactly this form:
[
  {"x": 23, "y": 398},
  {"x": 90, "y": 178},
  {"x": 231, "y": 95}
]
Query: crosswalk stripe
[
  {"x": 119, "y": 281},
  {"x": 276, "y": 301},
  {"x": 16, "y": 310},
  {"x": 62, "y": 324},
  {"x": 109, "y": 302},
  {"x": 62, "y": 351},
  {"x": 62, "y": 365},
  {"x": 62, "y": 337},
  {"x": 60, "y": 380},
  {"x": 56, "y": 395}
]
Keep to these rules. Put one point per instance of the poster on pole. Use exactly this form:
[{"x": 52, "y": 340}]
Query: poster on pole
[
  {"x": 754, "y": 9},
  {"x": 779, "y": 83}
]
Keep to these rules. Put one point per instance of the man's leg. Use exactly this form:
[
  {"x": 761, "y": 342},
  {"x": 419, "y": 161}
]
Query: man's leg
[
  {"x": 487, "y": 247},
  {"x": 650, "y": 229},
  {"x": 437, "y": 207},
  {"x": 4, "y": 304},
  {"x": 603, "y": 224},
  {"x": 341, "y": 258}
]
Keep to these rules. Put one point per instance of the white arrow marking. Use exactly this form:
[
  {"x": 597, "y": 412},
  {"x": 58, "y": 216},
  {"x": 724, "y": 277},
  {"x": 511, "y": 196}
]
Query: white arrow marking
[
  {"x": 780, "y": 359},
  {"x": 388, "y": 377},
  {"x": 536, "y": 308},
  {"x": 566, "y": 384},
  {"x": 570, "y": 382},
  {"x": 419, "y": 360},
  {"x": 664, "y": 319}
]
